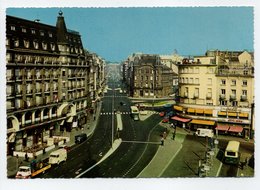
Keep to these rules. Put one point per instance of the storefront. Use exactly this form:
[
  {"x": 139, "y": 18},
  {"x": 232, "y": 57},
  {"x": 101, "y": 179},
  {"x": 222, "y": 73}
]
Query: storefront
[
  {"x": 180, "y": 122},
  {"x": 198, "y": 123}
]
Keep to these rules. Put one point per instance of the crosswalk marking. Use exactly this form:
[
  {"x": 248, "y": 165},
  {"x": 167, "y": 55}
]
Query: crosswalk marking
[{"x": 125, "y": 113}]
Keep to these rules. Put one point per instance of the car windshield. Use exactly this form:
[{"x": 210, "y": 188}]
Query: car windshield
[
  {"x": 23, "y": 169},
  {"x": 54, "y": 156}
]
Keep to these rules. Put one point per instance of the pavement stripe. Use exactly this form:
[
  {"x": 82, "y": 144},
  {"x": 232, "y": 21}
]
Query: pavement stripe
[{"x": 170, "y": 161}]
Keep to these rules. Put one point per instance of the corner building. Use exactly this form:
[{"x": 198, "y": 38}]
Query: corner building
[
  {"x": 47, "y": 82},
  {"x": 217, "y": 91}
]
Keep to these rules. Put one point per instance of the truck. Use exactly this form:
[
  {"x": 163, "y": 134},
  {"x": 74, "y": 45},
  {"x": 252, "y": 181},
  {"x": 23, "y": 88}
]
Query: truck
[
  {"x": 25, "y": 172},
  {"x": 58, "y": 156},
  {"x": 201, "y": 132}
]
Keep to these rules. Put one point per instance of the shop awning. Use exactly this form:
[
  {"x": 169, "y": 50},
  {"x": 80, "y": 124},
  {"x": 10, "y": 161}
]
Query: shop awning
[
  {"x": 243, "y": 114},
  {"x": 190, "y": 110},
  {"x": 199, "y": 111},
  {"x": 222, "y": 113},
  {"x": 183, "y": 120},
  {"x": 178, "y": 108},
  {"x": 222, "y": 127},
  {"x": 232, "y": 114},
  {"x": 236, "y": 129},
  {"x": 202, "y": 122},
  {"x": 208, "y": 111}
]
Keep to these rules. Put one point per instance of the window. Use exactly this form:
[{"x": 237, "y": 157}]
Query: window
[
  {"x": 233, "y": 92},
  {"x": 16, "y": 42},
  {"x": 196, "y": 80},
  {"x": 50, "y": 34},
  {"x": 42, "y": 33},
  {"x": 52, "y": 46},
  {"x": 223, "y": 102},
  {"x": 44, "y": 45},
  {"x": 209, "y": 81},
  {"x": 191, "y": 70},
  {"x": 234, "y": 103},
  {"x": 246, "y": 72},
  {"x": 13, "y": 28},
  {"x": 24, "y": 30},
  {"x": 223, "y": 91},
  {"x": 33, "y": 31},
  {"x": 244, "y": 82},
  {"x": 197, "y": 92},
  {"x": 233, "y": 82},
  {"x": 26, "y": 43},
  {"x": 244, "y": 92},
  {"x": 35, "y": 44},
  {"x": 197, "y": 70},
  {"x": 186, "y": 80},
  {"x": 223, "y": 81},
  {"x": 191, "y": 80}
]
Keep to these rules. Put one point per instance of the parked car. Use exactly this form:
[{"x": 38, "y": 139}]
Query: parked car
[
  {"x": 162, "y": 113},
  {"x": 80, "y": 138},
  {"x": 66, "y": 147},
  {"x": 166, "y": 119},
  {"x": 170, "y": 114}
]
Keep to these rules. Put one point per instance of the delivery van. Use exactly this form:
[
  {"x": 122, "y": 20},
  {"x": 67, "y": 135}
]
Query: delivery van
[
  {"x": 204, "y": 132},
  {"x": 58, "y": 156}
]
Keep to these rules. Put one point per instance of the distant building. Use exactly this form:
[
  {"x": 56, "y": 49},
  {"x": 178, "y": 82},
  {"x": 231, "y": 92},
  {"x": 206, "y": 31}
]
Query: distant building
[
  {"x": 49, "y": 82},
  {"x": 147, "y": 77},
  {"x": 217, "y": 91}
]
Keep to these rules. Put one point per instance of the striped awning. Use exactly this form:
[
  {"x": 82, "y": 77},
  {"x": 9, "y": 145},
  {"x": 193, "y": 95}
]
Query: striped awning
[
  {"x": 232, "y": 114},
  {"x": 199, "y": 111},
  {"x": 208, "y": 111},
  {"x": 190, "y": 110},
  {"x": 178, "y": 108},
  {"x": 183, "y": 120},
  {"x": 222, "y": 113},
  {"x": 243, "y": 114},
  {"x": 222, "y": 127},
  {"x": 202, "y": 122},
  {"x": 236, "y": 129}
]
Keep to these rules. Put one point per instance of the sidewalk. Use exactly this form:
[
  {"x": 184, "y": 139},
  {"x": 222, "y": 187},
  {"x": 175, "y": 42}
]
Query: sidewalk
[
  {"x": 166, "y": 154},
  {"x": 13, "y": 163}
]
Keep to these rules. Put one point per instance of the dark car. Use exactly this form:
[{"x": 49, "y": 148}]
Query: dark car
[
  {"x": 170, "y": 114},
  {"x": 80, "y": 138}
]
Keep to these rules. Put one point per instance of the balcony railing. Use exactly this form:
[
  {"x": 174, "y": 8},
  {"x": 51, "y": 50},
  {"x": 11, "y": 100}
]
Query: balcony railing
[
  {"x": 222, "y": 96},
  {"x": 232, "y": 97},
  {"x": 243, "y": 97}
]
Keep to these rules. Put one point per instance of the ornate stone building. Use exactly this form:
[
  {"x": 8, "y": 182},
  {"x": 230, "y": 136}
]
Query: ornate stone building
[
  {"x": 49, "y": 78},
  {"x": 147, "y": 77}
]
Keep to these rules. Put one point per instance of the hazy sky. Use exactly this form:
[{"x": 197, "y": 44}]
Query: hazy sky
[{"x": 115, "y": 33}]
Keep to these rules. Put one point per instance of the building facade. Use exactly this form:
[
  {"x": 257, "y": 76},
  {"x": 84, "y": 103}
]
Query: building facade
[
  {"x": 147, "y": 77},
  {"x": 218, "y": 90},
  {"x": 48, "y": 82}
]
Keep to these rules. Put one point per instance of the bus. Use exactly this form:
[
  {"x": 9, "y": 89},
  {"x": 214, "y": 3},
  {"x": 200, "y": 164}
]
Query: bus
[
  {"x": 135, "y": 113},
  {"x": 232, "y": 154}
]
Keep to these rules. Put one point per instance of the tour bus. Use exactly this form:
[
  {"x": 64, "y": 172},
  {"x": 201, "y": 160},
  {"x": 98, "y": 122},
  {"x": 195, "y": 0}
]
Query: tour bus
[
  {"x": 135, "y": 113},
  {"x": 232, "y": 154}
]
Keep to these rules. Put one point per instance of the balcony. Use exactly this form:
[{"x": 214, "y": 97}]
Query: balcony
[
  {"x": 222, "y": 96},
  {"x": 232, "y": 97},
  {"x": 208, "y": 96},
  {"x": 196, "y": 95},
  {"x": 243, "y": 98}
]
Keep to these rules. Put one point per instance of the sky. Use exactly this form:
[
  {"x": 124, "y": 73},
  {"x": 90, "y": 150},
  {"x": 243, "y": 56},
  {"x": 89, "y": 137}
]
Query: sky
[{"x": 116, "y": 33}]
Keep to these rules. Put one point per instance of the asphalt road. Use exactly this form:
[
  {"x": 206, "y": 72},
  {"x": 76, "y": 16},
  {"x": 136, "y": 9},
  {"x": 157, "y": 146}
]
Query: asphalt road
[{"x": 128, "y": 160}]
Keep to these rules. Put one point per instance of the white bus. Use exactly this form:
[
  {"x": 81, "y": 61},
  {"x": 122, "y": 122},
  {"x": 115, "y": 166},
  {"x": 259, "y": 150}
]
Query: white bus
[
  {"x": 135, "y": 113},
  {"x": 232, "y": 154}
]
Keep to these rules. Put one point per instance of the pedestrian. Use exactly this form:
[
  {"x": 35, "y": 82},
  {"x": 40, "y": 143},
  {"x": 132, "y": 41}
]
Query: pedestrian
[
  {"x": 164, "y": 134},
  {"x": 26, "y": 157},
  {"x": 162, "y": 141},
  {"x": 173, "y": 135},
  {"x": 172, "y": 125}
]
